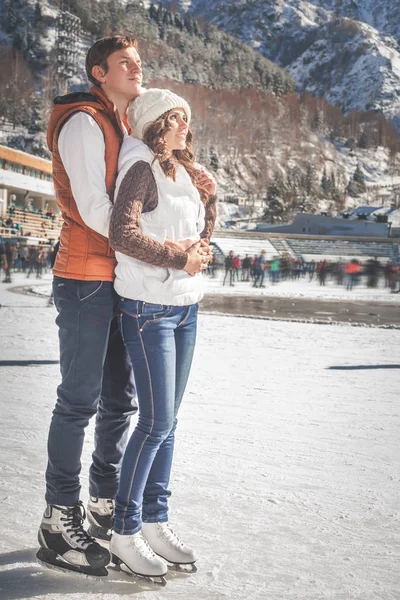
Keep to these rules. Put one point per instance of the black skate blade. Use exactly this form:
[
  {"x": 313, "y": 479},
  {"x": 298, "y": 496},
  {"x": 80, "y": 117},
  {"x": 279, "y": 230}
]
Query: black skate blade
[
  {"x": 117, "y": 564},
  {"x": 100, "y": 534},
  {"x": 158, "y": 580},
  {"x": 183, "y": 567},
  {"x": 49, "y": 559}
]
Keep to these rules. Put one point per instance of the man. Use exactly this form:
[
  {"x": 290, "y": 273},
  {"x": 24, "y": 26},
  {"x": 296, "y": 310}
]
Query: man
[
  {"x": 2, "y": 254},
  {"x": 259, "y": 270},
  {"x": 246, "y": 264},
  {"x": 8, "y": 261},
  {"x": 84, "y": 135},
  {"x": 229, "y": 268}
]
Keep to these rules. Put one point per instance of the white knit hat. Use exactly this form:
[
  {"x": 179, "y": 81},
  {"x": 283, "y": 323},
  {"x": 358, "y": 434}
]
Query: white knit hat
[{"x": 150, "y": 105}]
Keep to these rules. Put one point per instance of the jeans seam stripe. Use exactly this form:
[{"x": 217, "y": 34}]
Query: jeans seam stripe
[{"x": 147, "y": 436}]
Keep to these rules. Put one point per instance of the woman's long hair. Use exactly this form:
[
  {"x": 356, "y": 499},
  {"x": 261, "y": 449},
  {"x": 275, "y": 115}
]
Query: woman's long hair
[{"x": 153, "y": 137}]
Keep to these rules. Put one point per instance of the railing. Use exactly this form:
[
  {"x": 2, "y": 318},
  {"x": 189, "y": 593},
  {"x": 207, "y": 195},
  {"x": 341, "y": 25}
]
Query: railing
[{"x": 32, "y": 224}]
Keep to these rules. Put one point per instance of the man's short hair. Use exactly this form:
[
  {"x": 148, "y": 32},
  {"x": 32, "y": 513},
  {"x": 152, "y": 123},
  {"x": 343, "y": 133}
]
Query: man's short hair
[{"x": 101, "y": 50}]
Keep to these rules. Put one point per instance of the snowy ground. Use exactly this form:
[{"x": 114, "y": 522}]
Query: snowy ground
[
  {"x": 286, "y": 473},
  {"x": 302, "y": 288}
]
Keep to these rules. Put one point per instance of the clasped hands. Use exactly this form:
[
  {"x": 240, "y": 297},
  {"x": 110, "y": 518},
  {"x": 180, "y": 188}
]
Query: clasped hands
[{"x": 199, "y": 254}]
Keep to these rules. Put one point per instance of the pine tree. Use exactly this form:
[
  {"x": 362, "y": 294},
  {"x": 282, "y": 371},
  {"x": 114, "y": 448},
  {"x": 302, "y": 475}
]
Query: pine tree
[
  {"x": 310, "y": 179},
  {"x": 168, "y": 18},
  {"x": 278, "y": 83},
  {"x": 11, "y": 18},
  {"x": 214, "y": 161},
  {"x": 113, "y": 9},
  {"x": 178, "y": 21},
  {"x": 38, "y": 14},
  {"x": 188, "y": 22},
  {"x": 359, "y": 175},
  {"x": 335, "y": 192},
  {"x": 357, "y": 185},
  {"x": 160, "y": 14},
  {"x": 153, "y": 12},
  {"x": 36, "y": 117},
  {"x": 20, "y": 40},
  {"x": 325, "y": 182},
  {"x": 364, "y": 140},
  {"x": 275, "y": 207}
]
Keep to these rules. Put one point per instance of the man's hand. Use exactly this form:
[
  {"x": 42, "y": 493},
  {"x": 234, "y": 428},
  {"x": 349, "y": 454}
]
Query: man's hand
[
  {"x": 206, "y": 181},
  {"x": 182, "y": 245}
]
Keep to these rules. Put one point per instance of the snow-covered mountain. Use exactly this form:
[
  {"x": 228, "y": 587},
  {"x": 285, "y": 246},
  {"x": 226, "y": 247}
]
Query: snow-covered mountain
[
  {"x": 261, "y": 140},
  {"x": 356, "y": 68},
  {"x": 346, "y": 50}
]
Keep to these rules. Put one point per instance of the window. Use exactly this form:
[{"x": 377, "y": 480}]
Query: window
[
  {"x": 32, "y": 172},
  {"x": 16, "y": 168}
]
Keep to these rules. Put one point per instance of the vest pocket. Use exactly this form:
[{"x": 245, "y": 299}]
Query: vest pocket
[{"x": 155, "y": 277}]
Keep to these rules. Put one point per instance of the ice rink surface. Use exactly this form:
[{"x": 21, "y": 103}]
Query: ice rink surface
[{"x": 286, "y": 471}]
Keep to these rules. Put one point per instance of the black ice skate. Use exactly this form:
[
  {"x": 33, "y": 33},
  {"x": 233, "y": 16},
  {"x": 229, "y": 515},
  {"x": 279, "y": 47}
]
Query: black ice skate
[
  {"x": 100, "y": 514},
  {"x": 66, "y": 546}
]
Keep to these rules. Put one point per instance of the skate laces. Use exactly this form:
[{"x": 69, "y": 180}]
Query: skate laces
[
  {"x": 143, "y": 546},
  {"x": 74, "y": 517},
  {"x": 170, "y": 535}
]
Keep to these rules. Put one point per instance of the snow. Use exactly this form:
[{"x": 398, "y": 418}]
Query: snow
[
  {"x": 369, "y": 80},
  {"x": 365, "y": 77},
  {"x": 286, "y": 473},
  {"x": 303, "y": 289}
]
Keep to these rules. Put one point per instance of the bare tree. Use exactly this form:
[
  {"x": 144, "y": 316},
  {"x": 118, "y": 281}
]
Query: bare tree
[{"x": 17, "y": 87}]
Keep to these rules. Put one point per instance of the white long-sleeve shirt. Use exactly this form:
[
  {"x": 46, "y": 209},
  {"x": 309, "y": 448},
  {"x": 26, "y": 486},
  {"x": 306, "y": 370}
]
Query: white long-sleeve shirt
[{"x": 82, "y": 150}]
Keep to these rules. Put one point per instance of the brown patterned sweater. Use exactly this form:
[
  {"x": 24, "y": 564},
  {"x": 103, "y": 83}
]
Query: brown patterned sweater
[{"x": 138, "y": 194}]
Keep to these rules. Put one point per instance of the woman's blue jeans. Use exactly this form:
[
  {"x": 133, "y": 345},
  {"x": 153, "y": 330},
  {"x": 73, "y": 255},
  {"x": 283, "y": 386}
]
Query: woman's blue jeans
[{"x": 160, "y": 340}]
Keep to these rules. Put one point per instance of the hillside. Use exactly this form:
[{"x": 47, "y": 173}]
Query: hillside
[
  {"x": 348, "y": 52},
  {"x": 260, "y": 138}
]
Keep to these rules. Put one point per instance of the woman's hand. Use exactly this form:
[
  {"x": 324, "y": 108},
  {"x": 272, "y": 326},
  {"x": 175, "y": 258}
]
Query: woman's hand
[
  {"x": 201, "y": 247},
  {"x": 205, "y": 251},
  {"x": 195, "y": 262},
  {"x": 206, "y": 181}
]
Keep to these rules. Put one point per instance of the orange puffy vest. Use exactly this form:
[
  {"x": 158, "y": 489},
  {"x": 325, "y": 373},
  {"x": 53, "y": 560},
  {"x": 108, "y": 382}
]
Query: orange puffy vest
[{"x": 84, "y": 254}]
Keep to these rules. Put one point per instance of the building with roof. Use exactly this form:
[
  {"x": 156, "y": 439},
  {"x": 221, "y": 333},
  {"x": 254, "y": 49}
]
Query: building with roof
[
  {"x": 25, "y": 182},
  {"x": 361, "y": 224},
  {"x": 28, "y": 207}
]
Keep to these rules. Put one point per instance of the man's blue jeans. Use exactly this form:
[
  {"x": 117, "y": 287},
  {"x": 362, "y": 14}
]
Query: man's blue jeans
[
  {"x": 97, "y": 379},
  {"x": 160, "y": 341}
]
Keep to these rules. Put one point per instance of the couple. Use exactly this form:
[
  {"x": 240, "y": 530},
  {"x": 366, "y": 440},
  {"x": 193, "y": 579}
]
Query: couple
[{"x": 126, "y": 181}]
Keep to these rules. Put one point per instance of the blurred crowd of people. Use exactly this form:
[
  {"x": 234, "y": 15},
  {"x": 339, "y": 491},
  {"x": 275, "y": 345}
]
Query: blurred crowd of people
[
  {"x": 32, "y": 260},
  {"x": 257, "y": 270}
]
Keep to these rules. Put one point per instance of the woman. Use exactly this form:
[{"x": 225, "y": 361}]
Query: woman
[
  {"x": 7, "y": 262},
  {"x": 163, "y": 217}
]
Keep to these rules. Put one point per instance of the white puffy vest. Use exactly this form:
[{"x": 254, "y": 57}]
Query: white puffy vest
[{"x": 179, "y": 215}]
